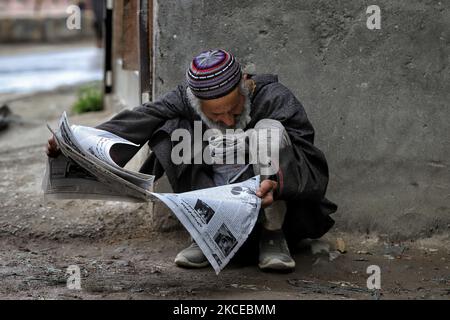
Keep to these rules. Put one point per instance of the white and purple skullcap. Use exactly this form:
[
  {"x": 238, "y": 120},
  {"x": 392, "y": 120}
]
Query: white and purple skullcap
[{"x": 213, "y": 74}]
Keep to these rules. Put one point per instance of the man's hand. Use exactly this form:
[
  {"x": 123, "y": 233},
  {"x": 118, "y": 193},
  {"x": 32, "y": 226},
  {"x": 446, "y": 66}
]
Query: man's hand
[
  {"x": 52, "y": 149},
  {"x": 265, "y": 192}
]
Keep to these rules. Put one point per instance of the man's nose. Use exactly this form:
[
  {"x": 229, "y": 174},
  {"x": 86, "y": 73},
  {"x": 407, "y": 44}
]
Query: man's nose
[{"x": 227, "y": 119}]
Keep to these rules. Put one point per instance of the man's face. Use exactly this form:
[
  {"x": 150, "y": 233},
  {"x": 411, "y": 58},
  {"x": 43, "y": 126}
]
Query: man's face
[{"x": 224, "y": 110}]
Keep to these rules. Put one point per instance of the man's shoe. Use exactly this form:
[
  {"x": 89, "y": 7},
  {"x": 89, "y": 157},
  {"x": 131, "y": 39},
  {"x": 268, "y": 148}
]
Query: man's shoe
[
  {"x": 191, "y": 257},
  {"x": 274, "y": 253}
]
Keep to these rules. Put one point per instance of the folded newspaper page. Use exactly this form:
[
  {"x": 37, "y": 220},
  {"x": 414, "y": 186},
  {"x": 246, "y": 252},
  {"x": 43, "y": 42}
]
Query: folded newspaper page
[
  {"x": 80, "y": 173},
  {"x": 219, "y": 219}
]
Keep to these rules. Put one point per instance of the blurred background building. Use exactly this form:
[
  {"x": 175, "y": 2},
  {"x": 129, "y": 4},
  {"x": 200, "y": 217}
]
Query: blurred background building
[
  {"x": 42, "y": 21},
  {"x": 33, "y": 7}
]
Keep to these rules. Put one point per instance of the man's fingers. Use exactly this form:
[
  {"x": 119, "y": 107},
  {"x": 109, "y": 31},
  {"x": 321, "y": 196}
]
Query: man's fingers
[
  {"x": 52, "y": 142},
  {"x": 267, "y": 200},
  {"x": 52, "y": 149},
  {"x": 265, "y": 192},
  {"x": 265, "y": 187}
]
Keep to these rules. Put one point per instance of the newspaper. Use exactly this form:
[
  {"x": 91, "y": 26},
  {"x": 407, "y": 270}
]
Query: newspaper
[
  {"x": 219, "y": 219},
  {"x": 79, "y": 172}
]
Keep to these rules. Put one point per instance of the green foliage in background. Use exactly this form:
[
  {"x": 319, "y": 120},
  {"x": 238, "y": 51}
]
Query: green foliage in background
[{"x": 89, "y": 99}]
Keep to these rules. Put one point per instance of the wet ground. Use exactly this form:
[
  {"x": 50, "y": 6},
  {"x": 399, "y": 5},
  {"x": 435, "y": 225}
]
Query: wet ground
[
  {"x": 121, "y": 256},
  {"x": 47, "y": 67},
  {"x": 142, "y": 268}
]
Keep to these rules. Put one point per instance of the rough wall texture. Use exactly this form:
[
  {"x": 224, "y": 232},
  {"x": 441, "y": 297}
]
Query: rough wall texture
[{"x": 379, "y": 99}]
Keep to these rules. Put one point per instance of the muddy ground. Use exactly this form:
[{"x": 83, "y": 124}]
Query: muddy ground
[{"x": 121, "y": 256}]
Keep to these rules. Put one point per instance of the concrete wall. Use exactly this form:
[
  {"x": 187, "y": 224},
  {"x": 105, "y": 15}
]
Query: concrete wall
[
  {"x": 126, "y": 85},
  {"x": 379, "y": 100}
]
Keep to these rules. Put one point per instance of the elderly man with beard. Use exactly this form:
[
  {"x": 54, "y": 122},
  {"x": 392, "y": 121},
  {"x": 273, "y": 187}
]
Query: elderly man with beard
[{"x": 218, "y": 94}]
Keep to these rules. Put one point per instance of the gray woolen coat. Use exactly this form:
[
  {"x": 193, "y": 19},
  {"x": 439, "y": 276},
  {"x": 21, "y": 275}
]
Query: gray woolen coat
[{"x": 303, "y": 174}]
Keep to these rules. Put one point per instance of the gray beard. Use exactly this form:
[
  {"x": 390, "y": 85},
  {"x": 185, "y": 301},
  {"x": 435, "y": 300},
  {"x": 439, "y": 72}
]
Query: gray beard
[{"x": 241, "y": 122}]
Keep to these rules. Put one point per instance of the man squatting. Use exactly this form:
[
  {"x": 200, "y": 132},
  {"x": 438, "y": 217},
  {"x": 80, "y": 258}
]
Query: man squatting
[{"x": 217, "y": 93}]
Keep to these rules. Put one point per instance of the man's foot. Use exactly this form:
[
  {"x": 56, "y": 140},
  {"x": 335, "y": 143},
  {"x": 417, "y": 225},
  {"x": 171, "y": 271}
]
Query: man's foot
[
  {"x": 274, "y": 253},
  {"x": 191, "y": 257}
]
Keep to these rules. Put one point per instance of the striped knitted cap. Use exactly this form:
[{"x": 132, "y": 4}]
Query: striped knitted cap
[{"x": 213, "y": 74}]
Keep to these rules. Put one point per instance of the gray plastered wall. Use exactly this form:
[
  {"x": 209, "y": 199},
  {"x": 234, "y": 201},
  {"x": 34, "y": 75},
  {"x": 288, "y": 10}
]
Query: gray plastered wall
[{"x": 378, "y": 99}]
